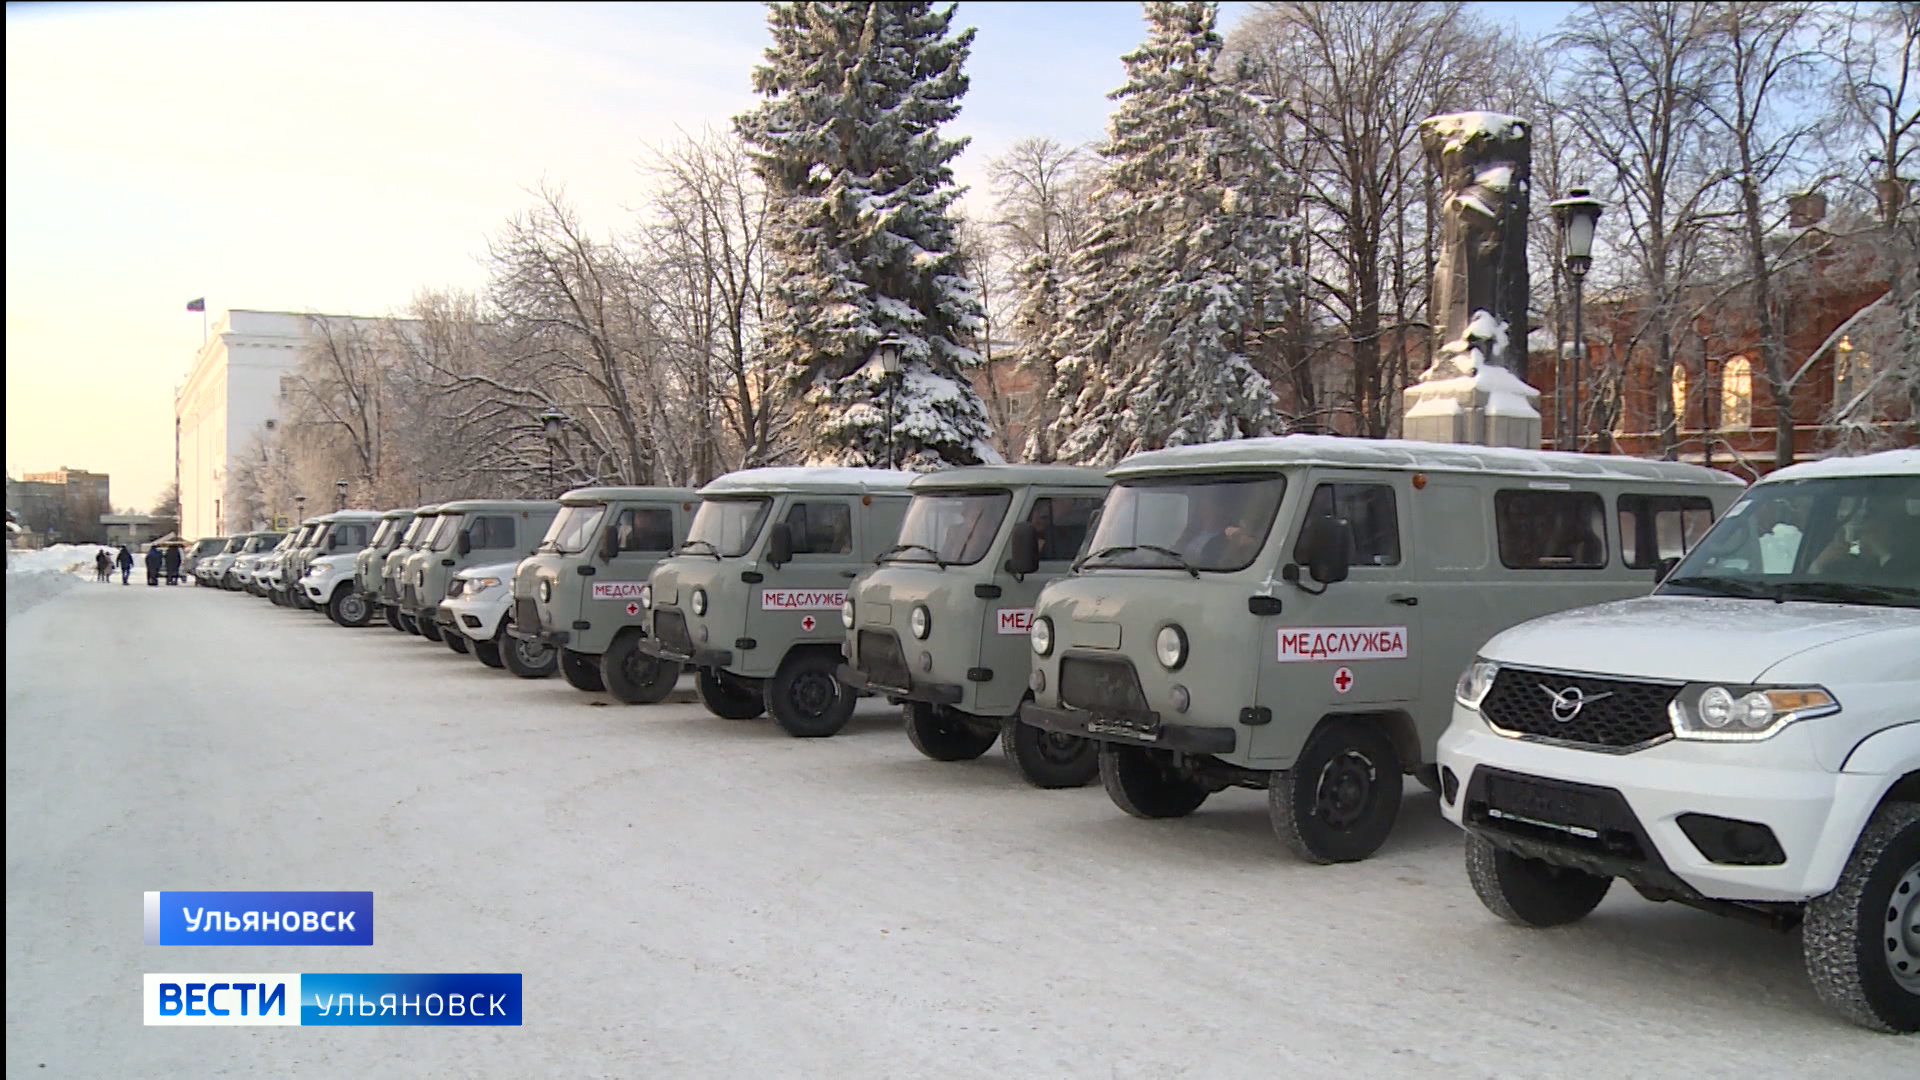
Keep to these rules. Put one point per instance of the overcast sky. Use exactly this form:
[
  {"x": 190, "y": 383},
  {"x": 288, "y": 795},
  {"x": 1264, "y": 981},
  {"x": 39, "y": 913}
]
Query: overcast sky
[{"x": 338, "y": 158}]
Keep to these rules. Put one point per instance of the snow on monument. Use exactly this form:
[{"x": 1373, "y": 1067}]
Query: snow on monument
[{"x": 1471, "y": 394}]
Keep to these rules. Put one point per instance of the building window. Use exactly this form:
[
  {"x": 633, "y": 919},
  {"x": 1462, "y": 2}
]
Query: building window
[
  {"x": 1851, "y": 372},
  {"x": 1736, "y": 394},
  {"x": 1679, "y": 398}
]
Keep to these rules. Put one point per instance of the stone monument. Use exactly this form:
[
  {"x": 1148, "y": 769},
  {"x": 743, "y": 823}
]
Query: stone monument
[{"x": 1472, "y": 393}]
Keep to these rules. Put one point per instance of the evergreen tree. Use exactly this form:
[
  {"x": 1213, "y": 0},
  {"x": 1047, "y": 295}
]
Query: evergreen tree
[
  {"x": 861, "y": 232},
  {"x": 1185, "y": 266}
]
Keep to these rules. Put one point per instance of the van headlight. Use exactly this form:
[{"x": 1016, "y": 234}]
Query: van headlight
[
  {"x": 646, "y": 597},
  {"x": 1475, "y": 683},
  {"x": 546, "y": 591},
  {"x": 920, "y": 621},
  {"x": 1706, "y": 712},
  {"x": 698, "y": 601},
  {"x": 1040, "y": 634},
  {"x": 846, "y": 614},
  {"x": 1170, "y": 646}
]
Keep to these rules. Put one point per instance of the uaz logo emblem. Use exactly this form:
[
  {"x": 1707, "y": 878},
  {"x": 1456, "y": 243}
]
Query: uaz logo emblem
[{"x": 1568, "y": 703}]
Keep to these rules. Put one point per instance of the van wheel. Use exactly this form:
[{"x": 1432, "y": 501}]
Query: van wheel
[
  {"x": 428, "y": 628},
  {"x": 1531, "y": 892},
  {"x": 1145, "y": 784},
  {"x": 525, "y": 658},
  {"x": 350, "y": 608},
  {"x": 487, "y": 652},
  {"x": 393, "y": 618},
  {"x": 1862, "y": 940},
  {"x": 581, "y": 671},
  {"x": 455, "y": 640},
  {"x": 1340, "y": 799},
  {"x": 941, "y": 735},
  {"x": 726, "y": 698},
  {"x": 408, "y": 624},
  {"x": 805, "y": 699},
  {"x": 1050, "y": 759},
  {"x": 634, "y": 677}
]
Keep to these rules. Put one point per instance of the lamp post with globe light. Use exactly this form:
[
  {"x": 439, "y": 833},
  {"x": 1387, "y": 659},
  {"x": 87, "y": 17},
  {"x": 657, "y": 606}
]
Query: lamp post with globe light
[
  {"x": 1577, "y": 216},
  {"x": 552, "y": 422}
]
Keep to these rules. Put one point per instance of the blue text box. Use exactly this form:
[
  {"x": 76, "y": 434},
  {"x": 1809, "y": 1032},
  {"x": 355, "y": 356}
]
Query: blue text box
[
  {"x": 385, "y": 1000},
  {"x": 259, "y": 918}
]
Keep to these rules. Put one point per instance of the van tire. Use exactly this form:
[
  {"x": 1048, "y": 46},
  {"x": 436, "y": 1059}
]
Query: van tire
[
  {"x": 726, "y": 698},
  {"x": 1531, "y": 892},
  {"x": 634, "y": 677},
  {"x": 428, "y": 628},
  {"x": 1851, "y": 935},
  {"x": 804, "y": 697},
  {"x": 350, "y": 608},
  {"x": 455, "y": 640},
  {"x": 1143, "y": 783},
  {"x": 393, "y": 617},
  {"x": 941, "y": 735},
  {"x": 1341, "y": 798},
  {"x": 1050, "y": 760},
  {"x": 581, "y": 671},
  {"x": 408, "y": 624},
  {"x": 526, "y": 659},
  {"x": 487, "y": 652}
]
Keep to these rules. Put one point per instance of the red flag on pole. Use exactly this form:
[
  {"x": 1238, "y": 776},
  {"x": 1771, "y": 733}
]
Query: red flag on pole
[{"x": 197, "y": 305}]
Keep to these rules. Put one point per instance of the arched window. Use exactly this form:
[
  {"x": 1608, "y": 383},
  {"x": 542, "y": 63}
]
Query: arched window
[
  {"x": 1851, "y": 372},
  {"x": 1736, "y": 394},
  {"x": 1679, "y": 398}
]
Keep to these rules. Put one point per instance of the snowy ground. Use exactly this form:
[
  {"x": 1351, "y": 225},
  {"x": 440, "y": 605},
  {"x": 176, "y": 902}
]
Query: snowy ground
[{"x": 689, "y": 896}]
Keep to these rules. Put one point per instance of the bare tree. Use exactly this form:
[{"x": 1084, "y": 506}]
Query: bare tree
[{"x": 337, "y": 390}]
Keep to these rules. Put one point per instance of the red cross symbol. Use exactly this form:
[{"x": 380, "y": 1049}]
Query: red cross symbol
[
  {"x": 807, "y": 624},
  {"x": 1343, "y": 680},
  {"x": 633, "y": 609}
]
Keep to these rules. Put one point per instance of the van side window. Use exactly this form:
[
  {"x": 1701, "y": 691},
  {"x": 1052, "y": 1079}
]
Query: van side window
[
  {"x": 490, "y": 533},
  {"x": 1551, "y": 530},
  {"x": 821, "y": 528},
  {"x": 353, "y": 536},
  {"x": 1658, "y": 527},
  {"x": 1370, "y": 509},
  {"x": 1060, "y": 525},
  {"x": 645, "y": 528}
]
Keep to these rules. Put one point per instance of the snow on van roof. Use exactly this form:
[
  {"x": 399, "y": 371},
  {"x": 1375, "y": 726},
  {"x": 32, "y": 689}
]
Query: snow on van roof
[
  {"x": 588, "y": 496},
  {"x": 999, "y": 475},
  {"x": 823, "y": 478},
  {"x": 1297, "y": 450},
  {"x": 461, "y": 506},
  {"x": 1885, "y": 463}
]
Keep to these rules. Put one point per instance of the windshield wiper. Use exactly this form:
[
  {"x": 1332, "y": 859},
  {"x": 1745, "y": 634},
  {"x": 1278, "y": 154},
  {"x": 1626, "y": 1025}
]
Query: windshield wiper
[
  {"x": 1726, "y": 586},
  {"x": 711, "y": 549},
  {"x": 937, "y": 560},
  {"x": 1179, "y": 559},
  {"x": 1846, "y": 592}
]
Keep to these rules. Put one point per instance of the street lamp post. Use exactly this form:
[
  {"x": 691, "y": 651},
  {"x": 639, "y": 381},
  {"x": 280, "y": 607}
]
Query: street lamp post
[
  {"x": 552, "y": 423},
  {"x": 1577, "y": 214},
  {"x": 339, "y": 494},
  {"x": 889, "y": 361},
  {"x": 299, "y": 511}
]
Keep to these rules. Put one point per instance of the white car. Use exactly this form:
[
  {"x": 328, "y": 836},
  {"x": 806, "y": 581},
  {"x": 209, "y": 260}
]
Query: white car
[
  {"x": 476, "y": 606},
  {"x": 329, "y": 584},
  {"x": 1746, "y": 740}
]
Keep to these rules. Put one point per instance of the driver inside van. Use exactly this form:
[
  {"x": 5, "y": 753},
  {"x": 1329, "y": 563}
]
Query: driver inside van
[
  {"x": 1215, "y": 536},
  {"x": 960, "y": 534}
]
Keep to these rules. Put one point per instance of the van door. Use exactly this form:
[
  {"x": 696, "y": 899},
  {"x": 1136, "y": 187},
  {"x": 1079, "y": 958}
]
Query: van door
[
  {"x": 1060, "y": 520},
  {"x": 801, "y": 600},
  {"x": 642, "y": 536},
  {"x": 1357, "y": 645},
  {"x": 1459, "y": 592}
]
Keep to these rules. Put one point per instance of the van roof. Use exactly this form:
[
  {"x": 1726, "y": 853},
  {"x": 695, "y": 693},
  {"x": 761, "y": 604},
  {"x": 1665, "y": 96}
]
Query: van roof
[
  {"x": 462, "y": 506},
  {"x": 395, "y": 515},
  {"x": 426, "y": 511},
  {"x": 1885, "y": 463},
  {"x": 351, "y": 515},
  {"x": 978, "y": 476},
  {"x": 824, "y": 480},
  {"x": 588, "y": 496},
  {"x": 1407, "y": 455}
]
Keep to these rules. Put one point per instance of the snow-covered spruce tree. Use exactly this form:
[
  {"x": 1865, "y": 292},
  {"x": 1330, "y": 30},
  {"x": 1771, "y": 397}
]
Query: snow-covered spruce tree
[
  {"x": 1185, "y": 266},
  {"x": 861, "y": 231}
]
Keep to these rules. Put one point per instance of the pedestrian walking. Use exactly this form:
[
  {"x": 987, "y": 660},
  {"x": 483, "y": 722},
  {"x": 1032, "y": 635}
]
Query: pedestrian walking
[
  {"x": 102, "y": 566},
  {"x": 153, "y": 565},
  {"x": 126, "y": 564},
  {"x": 173, "y": 564}
]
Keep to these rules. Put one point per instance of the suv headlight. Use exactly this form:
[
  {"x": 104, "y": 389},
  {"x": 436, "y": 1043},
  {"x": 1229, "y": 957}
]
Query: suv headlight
[
  {"x": 1040, "y": 634},
  {"x": 846, "y": 614},
  {"x": 1475, "y": 683},
  {"x": 1706, "y": 712},
  {"x": 698, "y": 601},
  {"x": 1170, "y": 646},
  {"x": 920, "y": 621},
  {"x": 646, "y": 597},
  {"x": 474, "y": 585}
]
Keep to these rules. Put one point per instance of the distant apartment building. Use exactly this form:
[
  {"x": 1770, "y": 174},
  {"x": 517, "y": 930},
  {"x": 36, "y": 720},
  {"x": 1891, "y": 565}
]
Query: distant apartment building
[
  {"x": 62, "y": 506},
  {"x": 232, "y": 393}
]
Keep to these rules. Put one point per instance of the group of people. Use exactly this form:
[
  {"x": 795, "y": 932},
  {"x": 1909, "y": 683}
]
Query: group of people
[{"x": 160, "y": 561}]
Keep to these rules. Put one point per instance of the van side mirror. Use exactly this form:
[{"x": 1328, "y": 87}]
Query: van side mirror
[
  {"x": 1665, "y": 568},
  {"x": 1326, "y": 544},
  {"x": 1023, "y": 549},
  {"x": 465, "y": 543},
  {"x": 779, "y": 544},
  {"x": 609, "y": 543}
]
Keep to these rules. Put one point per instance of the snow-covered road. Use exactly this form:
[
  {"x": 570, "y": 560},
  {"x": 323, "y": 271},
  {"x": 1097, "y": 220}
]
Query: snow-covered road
[{"x": 688, "y": 896}]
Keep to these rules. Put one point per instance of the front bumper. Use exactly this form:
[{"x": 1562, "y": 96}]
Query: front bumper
[
  {"x": 700, "y": 657},
  {"x": 931, "y": 693},
  {"x": 1149, "y": 732},
  {"x": 1814, "y": 815}
]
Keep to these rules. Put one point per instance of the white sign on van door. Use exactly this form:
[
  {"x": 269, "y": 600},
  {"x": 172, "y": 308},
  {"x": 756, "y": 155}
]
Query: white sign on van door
[
  {"x": 802, "y": 599},
  {"x": 617, "y": 590},
  {"x": 1014, "y": 620},
  {"x": 1300, "y": 644}
]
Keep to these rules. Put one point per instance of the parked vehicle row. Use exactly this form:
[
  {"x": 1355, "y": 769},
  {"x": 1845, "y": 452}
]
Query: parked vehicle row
[{"x": 1605, "y": 667}]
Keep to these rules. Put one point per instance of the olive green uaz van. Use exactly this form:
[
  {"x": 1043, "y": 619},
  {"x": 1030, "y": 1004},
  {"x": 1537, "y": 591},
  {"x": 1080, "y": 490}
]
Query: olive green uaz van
[
  {"x": 1291, "y": 614},
  {"x": 469, "y": 532},
  {"x": 941, "y": 625},
  {"x": 752, "y": 599}
]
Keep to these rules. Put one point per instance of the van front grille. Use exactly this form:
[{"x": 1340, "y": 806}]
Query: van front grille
[
  {"x": 882, "y": 661},
  {"x": 1613, "y": 714},
  {"x": 1109, "y": 687},
  {"x": 670, "y": 627}
]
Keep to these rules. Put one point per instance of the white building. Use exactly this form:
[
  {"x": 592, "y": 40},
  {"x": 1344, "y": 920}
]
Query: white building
[{"x": 233, "y": 392}]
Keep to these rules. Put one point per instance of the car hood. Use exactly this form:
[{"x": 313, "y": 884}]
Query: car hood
[
  {"x": 503, "y": 571},
  {"x": 1705, "y": 639}
]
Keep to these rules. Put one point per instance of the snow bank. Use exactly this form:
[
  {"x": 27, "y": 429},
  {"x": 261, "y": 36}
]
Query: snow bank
[{"x": 34, "y": 577}]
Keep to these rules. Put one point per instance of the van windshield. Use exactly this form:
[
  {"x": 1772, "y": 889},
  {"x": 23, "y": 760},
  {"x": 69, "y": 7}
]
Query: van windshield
[
  {"x": 573, "y": 530},
  {"x": 726, "y": 527},
  {"x": 381, "y": 534},
  {"x": 952, "y": 528},
  {"x": 1211, "y": 524},
  {"x": 445, "y": 527},
  {"x": 418, "y": 532},
  {"x": 1837, "y": 540},
  {"x": 235, "y": 546}
]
